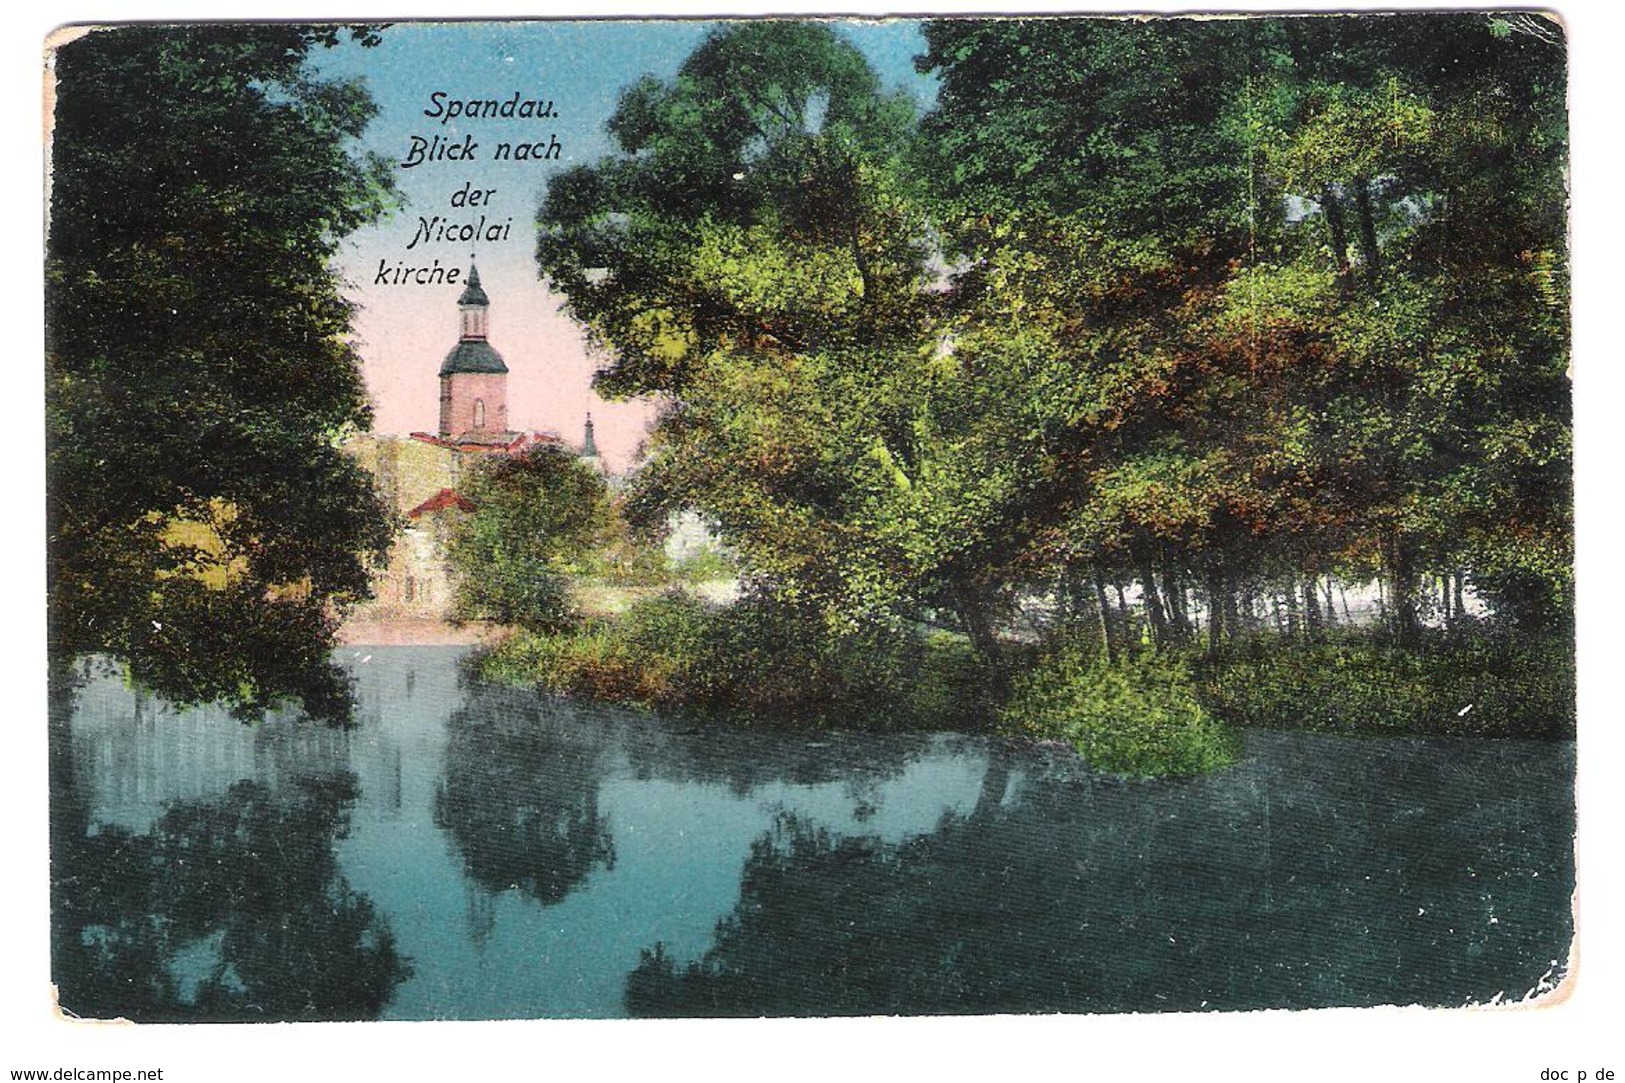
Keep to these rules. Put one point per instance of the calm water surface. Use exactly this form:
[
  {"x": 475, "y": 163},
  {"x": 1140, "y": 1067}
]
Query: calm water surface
[{"x": 468, "y": 851}]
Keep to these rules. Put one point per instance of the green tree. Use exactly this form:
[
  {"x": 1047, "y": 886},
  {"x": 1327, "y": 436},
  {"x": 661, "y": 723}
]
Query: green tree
[
  {"x": 1185, "y": 304},
  {"x": 204, "y": 526},
  {"x": 1312, "y": 307},
  {"x": 1092, "y": 180},
  {"x": 536, "y": 519},
  {"x": 756, "y": 251}
]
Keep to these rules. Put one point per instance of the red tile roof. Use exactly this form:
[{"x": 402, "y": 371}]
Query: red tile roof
[
  {"x": 520, "y": 442},
  {"x": 445, "y": 498}
]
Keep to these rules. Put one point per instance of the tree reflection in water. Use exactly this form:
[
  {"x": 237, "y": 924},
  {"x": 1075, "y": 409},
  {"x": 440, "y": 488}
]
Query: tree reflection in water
[
  {"x": 744, "y": 761},
  {"x": 520, "y": 795},
  {"x": 232, "y": 908},
  {"x": 1082, "y": 894}
]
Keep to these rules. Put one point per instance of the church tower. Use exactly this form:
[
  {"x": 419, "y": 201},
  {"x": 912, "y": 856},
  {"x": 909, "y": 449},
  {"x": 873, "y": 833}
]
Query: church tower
[{"x": 473, "y": 379}]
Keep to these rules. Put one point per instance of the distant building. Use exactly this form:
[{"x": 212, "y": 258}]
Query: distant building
[{"x": 420, "y": 476}]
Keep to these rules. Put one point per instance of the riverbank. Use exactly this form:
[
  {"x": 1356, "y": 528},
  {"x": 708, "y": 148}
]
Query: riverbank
[
  {"x": 418, "y": 632},
  {"x": 1142, "y": 713}
]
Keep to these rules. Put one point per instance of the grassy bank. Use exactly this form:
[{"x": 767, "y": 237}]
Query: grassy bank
[
  {"x": 753, "y": 662},
  {"x": 1477, "y": 684},
  {"x": 760, "y": 663}
]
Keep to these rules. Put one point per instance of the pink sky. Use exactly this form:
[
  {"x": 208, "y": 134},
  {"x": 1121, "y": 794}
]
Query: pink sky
[{"x": 404, "y": 332}]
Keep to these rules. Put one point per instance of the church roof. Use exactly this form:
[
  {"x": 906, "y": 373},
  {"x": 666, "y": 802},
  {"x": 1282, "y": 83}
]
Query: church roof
[
  {"x": 472, "y": 355},
  {"x": 473, "y": 294},
  {"x": 445, "y": 498},
  {"x": 506, "y": 443}
]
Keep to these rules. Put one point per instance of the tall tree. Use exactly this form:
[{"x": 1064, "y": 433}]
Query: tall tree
[
  {"x": 535, "y": 517},
  {"x": 1316, "y": 302},
  {"x": 204, "y": 526},
  {"x": 756, "y": 251}
]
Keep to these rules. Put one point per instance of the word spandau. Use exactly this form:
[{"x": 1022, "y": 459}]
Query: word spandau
[{"x": 447, "y": 108}]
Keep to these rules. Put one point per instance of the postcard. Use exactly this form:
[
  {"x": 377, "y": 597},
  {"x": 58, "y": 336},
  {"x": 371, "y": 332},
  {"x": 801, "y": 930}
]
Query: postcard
[{"x": 809, "y": 517}]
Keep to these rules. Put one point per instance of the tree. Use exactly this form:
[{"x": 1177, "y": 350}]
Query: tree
[
  {"x": 1313, "y": 309},
  {"x": 755, "y": 251},
  {"x": 536, "y": 517},
  {"x": 204, "y": 527},
  {"x": 1187, "y": 303}
]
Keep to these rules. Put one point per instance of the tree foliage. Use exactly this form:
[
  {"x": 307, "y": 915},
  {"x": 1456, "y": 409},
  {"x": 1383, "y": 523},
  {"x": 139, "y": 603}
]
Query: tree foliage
[
  {"x": 536, "y": 517},
  {"x": 1210, "y": 310},
  {"x": 203, "y": 524}
]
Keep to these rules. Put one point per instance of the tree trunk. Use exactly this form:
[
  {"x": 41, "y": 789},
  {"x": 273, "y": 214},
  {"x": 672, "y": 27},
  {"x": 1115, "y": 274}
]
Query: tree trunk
[
  {"x": 1368, "y": 227},
  {"x": 1402, "y": 576},
  {"x": 1125, "y": 619},
  {"x": 1215, "y": 607},
  {"x": 1311, "y": 610},
  {"x": 1294, "y": 615},
  {"x": 1246, "y": 616},
  {"x": 1333, "y": 210},
  {"x": 1331, "y": 604},
  {"x": 1153, "y": 602},
  {"x": 1103, "y": 608},
  {"x": 1179, "y": 620},
  {"x": 973, "y": 614},
  {"x": 1461, "y": 602}
]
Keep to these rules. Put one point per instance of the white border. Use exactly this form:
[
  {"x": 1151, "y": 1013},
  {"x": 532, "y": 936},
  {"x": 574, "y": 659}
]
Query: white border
[{"x": 1321, "y": 1046}]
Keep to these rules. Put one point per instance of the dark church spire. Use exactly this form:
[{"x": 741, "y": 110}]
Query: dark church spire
[
  {"x": 473, "y": 294},
  {"x": 472, "y": 352}
]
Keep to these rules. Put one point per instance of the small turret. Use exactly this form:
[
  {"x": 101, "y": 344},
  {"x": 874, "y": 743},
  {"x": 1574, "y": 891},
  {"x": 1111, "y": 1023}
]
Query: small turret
[{"x": 589, "y": 446}]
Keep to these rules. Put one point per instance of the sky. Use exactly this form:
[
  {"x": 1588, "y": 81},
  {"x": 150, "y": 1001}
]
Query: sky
[{"x": 404, "y": 331}]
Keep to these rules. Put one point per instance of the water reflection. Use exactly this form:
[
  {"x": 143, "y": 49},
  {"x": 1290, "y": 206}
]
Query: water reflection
[
  {"x": 520, "y": 795},
  {"x": 231, "y": 907},
  {"x": 1344, "y": 874},
  {"x": 746, "y": 762},
  {"x": 534, "y": 858}
]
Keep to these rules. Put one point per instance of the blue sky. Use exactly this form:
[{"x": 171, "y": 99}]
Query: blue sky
[{"x": 581, "y": 66}]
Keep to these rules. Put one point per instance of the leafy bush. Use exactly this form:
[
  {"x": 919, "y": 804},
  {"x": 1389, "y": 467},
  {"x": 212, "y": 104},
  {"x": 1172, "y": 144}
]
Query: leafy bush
[
  {"x": 758, "y": 660},
  {"x": 536, "y": 517},
  {"x": 1139, "y": 716},
  {"x": 1359, "y": 683}
]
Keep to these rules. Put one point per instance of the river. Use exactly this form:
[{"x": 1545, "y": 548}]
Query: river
[{"x": 473, "y": 852}]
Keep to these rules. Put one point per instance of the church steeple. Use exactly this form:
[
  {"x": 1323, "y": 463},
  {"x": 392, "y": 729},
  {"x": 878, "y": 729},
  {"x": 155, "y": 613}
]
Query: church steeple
[
  {"x": 589, "y": 446},
  {"x": 474, "y": 304},
  {"x": 473, "y": 378}
]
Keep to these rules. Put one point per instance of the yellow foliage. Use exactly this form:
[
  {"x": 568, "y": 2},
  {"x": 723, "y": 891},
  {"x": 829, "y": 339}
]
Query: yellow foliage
[{"x": 202, "y": 538}]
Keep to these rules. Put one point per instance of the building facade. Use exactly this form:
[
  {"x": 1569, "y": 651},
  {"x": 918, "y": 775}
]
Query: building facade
[{"x": 421, "y": 477}]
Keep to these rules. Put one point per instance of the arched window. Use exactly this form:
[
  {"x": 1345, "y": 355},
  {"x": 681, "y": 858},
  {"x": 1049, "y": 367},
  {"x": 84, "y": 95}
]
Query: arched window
[{"x": 479, "y": 413}]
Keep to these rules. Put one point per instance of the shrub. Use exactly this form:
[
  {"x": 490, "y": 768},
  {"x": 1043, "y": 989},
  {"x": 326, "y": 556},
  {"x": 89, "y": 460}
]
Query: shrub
[
  {"x": 757, "y": 660},
  {"x": 1360, "y": 683},
  {"x": 1139, "y": 716}
]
